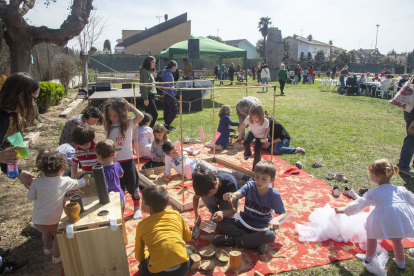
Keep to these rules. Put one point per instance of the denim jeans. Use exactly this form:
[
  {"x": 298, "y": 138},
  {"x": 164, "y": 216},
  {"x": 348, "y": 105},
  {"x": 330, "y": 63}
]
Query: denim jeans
[
  {"x": 407, "y": 150},
  {"x": 305, "y": 77},
  {"x": 341, "y": 88},
  {"x": 296, "y": 81},
  {"x": 282, "y": 148},
  {"x": 257, "y": 148},
  {"x": 245, "y": 237},
  {"x": 170, "y": 109},
  {"x": 265, "y": 81}
]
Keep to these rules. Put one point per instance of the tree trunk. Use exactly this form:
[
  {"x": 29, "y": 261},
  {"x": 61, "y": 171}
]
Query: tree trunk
[
  {"x": 264, "y": 47},
  {"x": 20, "y": 54}
]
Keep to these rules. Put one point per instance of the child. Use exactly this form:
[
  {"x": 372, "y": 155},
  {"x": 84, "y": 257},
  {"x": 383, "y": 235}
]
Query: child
[
  {"x": 48, "y": 193},
  {"x": 118, "y": 127},
  {"x": 145, "y": 136},
  {"x": 224, "y": 128},
  {"x": 259, "y": 128},
  {"x": 164, "y": 232},
  {"x": 261, "y": 201},
  {"x": 105, "y": 152},
  {"x": 83, "y": 136},
  {"x": 211, "y": 188},
  {"x": 392, "y": 217},
  {"x": 157, "y": 154},
  {"x": 173, "y": 160}
]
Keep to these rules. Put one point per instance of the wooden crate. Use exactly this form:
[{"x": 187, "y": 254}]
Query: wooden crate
[{"x": 95, "y": 248}]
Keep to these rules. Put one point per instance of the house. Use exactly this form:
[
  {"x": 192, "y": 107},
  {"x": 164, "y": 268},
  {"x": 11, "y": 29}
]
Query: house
[
  {"x": 245, "y": 45},
  {"x": 154, "y": 39},
  {"x": 299, "y": 44},
  {"x": 366, "y": 55}
]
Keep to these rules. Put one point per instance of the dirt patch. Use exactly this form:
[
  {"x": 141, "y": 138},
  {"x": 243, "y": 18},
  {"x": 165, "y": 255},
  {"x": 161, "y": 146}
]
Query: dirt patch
[{"x": 16, "y": 210}]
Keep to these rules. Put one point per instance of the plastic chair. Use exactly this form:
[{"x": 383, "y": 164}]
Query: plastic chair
[
  {"x": 394, "y": 90},
  {"x": 384, "y": 90},
  {"x": 335, "y": 85},
  {"x": 325, "y": 82}
]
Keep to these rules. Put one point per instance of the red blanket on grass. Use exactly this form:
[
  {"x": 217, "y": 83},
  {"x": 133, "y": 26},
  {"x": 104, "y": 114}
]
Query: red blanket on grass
[{"x": 301, "y": 194}]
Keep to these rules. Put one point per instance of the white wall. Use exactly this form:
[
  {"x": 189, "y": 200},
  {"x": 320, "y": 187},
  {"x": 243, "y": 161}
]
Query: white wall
[
  {"x": 251, "y": 51},
  {"x": 305, "y": 48}
]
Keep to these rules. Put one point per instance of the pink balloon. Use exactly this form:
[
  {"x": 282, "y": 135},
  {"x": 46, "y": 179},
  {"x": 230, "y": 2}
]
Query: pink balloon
[
  {"x": 201, "y": 133},
  {"x": 177, "y": 147}
]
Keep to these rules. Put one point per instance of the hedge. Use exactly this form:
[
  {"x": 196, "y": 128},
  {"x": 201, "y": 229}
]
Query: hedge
[{"x": 50, "y": 94}]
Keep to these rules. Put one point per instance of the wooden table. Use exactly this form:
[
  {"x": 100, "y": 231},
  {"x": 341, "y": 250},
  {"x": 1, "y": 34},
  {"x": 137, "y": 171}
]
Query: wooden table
[{"x": 95, "y": 249}]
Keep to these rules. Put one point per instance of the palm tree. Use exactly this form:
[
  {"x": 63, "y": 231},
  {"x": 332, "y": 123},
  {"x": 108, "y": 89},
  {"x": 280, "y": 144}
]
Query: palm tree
[{"x": 263, "y": 28}]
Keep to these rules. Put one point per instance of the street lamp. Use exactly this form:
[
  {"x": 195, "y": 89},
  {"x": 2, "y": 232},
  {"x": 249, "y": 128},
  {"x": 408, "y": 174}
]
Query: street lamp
[{"x": 376, "y": 39}]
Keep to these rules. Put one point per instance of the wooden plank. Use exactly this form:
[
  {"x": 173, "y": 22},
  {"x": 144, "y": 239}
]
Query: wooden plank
[
  {"x": 94, "y": 252},
  {"x": 71, "y": 107},
  {"x": 233, "y": 167},
  {"x": 89, "y": 217}
]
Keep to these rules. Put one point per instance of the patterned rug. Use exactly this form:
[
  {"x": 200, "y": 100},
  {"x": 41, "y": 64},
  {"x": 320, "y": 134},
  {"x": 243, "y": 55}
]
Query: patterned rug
[{"x": 300, "y": 193}]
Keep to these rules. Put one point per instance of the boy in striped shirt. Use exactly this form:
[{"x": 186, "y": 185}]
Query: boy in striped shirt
[{"x": 83, "y": 136}]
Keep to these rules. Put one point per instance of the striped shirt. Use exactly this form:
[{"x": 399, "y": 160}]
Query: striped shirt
[{"x": 87, "y": 159}]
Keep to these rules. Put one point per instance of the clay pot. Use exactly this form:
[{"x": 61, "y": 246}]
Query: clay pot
[
  {"x": 235, "y": 259},
  {"x": 72, "y": 210}
]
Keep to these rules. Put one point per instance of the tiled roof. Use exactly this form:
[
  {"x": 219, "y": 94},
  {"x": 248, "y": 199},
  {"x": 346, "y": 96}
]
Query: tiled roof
[
  {"x": 154, "y": 30},
  {"x": 234, "y": 42}
]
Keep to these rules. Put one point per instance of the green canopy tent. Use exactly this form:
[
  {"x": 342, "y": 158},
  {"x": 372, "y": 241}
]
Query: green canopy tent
[{"x": 209, "y": 49}]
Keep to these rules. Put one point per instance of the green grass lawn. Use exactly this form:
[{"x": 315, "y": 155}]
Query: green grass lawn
[{"x": 344, "y": 133}]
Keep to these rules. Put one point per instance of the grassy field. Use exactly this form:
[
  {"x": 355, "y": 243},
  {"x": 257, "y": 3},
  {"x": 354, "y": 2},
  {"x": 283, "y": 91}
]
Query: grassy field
[{"x": 344, "y": 133}]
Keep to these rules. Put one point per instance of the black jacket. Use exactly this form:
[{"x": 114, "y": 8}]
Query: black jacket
[{"x": 280, "y": 131}]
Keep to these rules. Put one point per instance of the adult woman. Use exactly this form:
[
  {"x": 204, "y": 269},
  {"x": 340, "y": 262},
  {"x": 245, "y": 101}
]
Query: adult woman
[
  {"x": 90, "y": 115},
  {"x": 170, "y": 103},
  {"x": 18, "y": 96},
  {"x": 265, "y": 76},
  {"x": 231, "y": 73},
  {"x": 281, "y": 77},
  {"x": 148, "y": 93}
]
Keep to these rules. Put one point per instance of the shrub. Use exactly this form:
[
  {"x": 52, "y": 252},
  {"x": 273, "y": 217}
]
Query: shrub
[
  {"x": 50, "y": 94},
  {"x": 2, "y": 79},
  {"x": 64, "y": 69}
]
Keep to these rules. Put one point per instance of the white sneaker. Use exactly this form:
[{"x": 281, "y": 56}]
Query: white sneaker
[
  {"x": 196, "y": 152},
  {"x": 47, "y": 251},
  {"x": 190, "y": 148},
  {"x": 411, "y": 252},
  {"x": 208, "y": 144},
  {"x": 330, "y": 176},
  {"x": 360, "y": 256},
  {"x": 186, "y": 140},
  {"x": 137, "y": 212},
  {"x": 351, "y": 193},
  {"x": 375, "y": 268},
  {"x": 56, "y": 260}
]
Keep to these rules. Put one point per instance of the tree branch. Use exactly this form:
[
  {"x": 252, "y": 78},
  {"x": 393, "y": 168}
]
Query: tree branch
[
  {"x": 70, "y": 28},
  {"x": 28, "y": 5},
  {"x": 14, "y": 4}
]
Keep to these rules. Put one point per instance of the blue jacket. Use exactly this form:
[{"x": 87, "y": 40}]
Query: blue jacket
[
  {"x": 224, "y": 129},
  {"x": 167, "y": 76}
]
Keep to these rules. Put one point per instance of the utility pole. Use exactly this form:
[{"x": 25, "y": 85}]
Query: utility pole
[
  {"x": 217, "y": 32},
  {"x": 376, "y": 38}
]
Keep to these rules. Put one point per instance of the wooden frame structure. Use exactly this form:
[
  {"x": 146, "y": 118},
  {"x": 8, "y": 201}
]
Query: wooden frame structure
[{"x": 182, "y": 206}]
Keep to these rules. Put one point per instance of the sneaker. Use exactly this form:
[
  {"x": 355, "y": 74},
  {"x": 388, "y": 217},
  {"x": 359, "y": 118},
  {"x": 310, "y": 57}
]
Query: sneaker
[
  {"x": 186, "y": 140},
  {"x": 246, "y": 157},
  {"x": 362, "y": 191},
  {"x": 137, "y": 212},
  {"x": 351, "y": 193},
  {"x": 360, "y": 256},
  {"x": 261, "y": 249},
  {"x": 299, "y": 165},
  {"x": 400, "y": 265},
  {"x": 234, "y": 136},
  {"x": 330, "y": 176},
  {"x": 193, "y": 141},
  {"x": 406, "y": 171},
  {"x": 208, "y": 144},
  {"x": 196, "y": 152},
  {"x": 317, "y": 165},
  {"x": 4, "y": 251},
  {"x": 221, "y": 240},
  {"x": 190, "y": 148},
  {"x": 300, "y": 150},
  {"x": 47, "y": 251},
  {"x": 411, "y": 252},
  {"x": 341, "y": 177},
  {"x": 13, "y": 266},
  {"x": 336, "y": 191},
  {"x": 56, "y": 260}
]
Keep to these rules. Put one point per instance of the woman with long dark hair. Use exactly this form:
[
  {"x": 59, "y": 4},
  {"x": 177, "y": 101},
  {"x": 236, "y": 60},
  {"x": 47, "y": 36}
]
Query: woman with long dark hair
[
  {"x": 18, "y": 97},
  {"x": 148, "y": 93},
  {"x": 170, "y": 103}
]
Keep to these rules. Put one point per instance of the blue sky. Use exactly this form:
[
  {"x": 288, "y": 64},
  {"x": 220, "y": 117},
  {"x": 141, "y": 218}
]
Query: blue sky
[{"x": 349, "y": 24}]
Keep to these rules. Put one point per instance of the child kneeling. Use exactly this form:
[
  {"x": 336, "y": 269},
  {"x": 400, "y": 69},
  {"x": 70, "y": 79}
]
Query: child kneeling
[
  {"x": 163, "y": 232},
  {"x": 261, "y": 201}
]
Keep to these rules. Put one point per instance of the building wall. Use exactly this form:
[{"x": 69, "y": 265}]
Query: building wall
[
  {"x": 251, "y": 51},
  {"x": 128, "y": 33},
  {"x": 303, "y": 47},
  {"x": 163, "y": 40}
]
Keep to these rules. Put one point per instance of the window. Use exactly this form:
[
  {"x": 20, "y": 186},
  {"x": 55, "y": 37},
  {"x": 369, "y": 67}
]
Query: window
[
  {"x": 314, "y": 50},
  {"x": 326, "y": 51}
]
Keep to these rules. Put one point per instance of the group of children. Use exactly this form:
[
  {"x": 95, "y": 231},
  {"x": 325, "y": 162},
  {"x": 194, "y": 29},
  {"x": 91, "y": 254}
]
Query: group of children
[{"x": 164, "y": 232}]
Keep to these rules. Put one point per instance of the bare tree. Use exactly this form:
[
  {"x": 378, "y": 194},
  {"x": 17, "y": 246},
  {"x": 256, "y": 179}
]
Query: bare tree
[
  {"x": 64, "y": 69},
  {"x": 20, "y": 37},
  {"x": 89, "y": 35}
]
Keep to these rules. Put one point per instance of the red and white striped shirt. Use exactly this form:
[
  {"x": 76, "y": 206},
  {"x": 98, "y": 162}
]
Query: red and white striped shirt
[{"x": 87, "y": 159}]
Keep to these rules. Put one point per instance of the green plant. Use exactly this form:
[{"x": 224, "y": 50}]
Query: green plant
[
  {"x": 50, "y": 94},
  {"x": 92, "y": 74}
]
